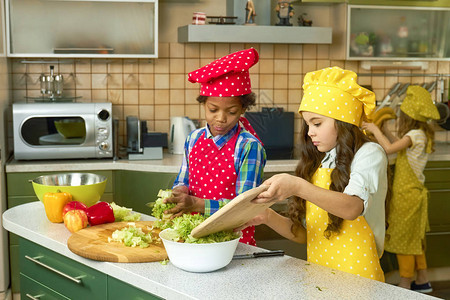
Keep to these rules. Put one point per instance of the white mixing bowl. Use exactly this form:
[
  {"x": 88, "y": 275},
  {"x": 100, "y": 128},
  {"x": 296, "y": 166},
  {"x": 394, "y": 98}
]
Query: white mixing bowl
[{"x": 199, "y": 257}]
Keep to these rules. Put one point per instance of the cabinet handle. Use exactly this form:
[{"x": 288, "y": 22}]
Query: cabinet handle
[
  {"x": 36, "y": 261},
  {"x": 34, "y": 297}
]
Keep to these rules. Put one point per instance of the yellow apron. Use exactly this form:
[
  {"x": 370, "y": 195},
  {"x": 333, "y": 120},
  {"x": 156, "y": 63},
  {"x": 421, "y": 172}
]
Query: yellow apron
[
  {"x": 408, "y": 211},
  {"x": 353, "y": 250}
]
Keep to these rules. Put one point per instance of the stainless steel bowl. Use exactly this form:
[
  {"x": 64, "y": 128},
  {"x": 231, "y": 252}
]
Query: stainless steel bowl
[
  {"x": 69, "y": 179},
  {"x": 84, "y": 187}
]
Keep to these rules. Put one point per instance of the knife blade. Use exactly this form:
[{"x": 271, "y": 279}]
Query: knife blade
[
  {"x": 259, "y": 254},
  {"x": 389, "y": 95}
]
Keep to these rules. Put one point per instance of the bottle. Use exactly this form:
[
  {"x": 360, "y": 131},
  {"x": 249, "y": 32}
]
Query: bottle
[{"x": 402, "y": 41}]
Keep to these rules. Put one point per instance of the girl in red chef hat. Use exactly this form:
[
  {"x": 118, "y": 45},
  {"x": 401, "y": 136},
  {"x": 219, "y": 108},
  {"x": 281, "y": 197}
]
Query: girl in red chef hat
[{"x": 225, "y": 158}]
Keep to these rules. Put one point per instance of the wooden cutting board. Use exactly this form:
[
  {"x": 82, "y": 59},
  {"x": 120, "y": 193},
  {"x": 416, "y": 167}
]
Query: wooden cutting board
[
  {"x": 92, "y": 242},
  {"x": 236, "y": 213}
]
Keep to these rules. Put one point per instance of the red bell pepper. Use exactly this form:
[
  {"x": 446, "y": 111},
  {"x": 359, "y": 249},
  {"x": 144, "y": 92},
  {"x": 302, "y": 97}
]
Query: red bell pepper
[{"x": 100, "y": 213}]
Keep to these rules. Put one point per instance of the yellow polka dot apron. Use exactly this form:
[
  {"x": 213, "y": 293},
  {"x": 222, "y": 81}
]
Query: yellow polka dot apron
[
  {"x": 408, "y": 211},
  {"x": 353, "y": 250}
]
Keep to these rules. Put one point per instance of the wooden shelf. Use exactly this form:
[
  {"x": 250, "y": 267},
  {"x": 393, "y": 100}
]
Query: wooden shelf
[{"x": 254, "y": 34}]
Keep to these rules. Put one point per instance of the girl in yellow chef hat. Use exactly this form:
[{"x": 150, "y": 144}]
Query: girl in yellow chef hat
[
  {"x": 408, "y": 209},
  {"x": 341, "y": 179}
]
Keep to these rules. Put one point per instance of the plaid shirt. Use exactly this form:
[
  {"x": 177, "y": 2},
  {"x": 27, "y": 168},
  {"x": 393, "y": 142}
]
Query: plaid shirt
[{"x": 249, "y": 162}]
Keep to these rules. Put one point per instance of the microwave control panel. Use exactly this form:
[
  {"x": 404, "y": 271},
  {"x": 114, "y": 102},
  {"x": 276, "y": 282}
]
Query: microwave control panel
[{"x": 103, "y": 130}]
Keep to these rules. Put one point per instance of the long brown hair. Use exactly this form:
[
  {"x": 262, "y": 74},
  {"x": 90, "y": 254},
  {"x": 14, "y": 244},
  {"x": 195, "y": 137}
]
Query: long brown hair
[
  {"x": 406, "y": 123},
  {"x": 350, "y": 139}
]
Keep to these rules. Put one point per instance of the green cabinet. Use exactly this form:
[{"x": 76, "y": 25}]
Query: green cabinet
[
  {"x": 45, "y": 274},
  {"x": 58, "y": 273}
]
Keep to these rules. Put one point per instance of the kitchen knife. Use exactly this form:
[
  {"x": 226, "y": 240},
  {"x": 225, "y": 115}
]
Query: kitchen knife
[
  {"x": 389, "y": 95},
  {"x": 432, "y": 86},
  {"x": 259, "y": 254}
]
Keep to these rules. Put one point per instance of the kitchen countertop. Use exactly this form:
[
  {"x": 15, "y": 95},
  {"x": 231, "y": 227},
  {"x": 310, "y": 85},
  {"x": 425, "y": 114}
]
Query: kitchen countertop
[
  {"x": 169, "y": 164},
  {"x": 262, "y": 278}
]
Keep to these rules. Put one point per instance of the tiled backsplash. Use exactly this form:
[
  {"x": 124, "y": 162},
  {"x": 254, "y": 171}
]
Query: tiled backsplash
[{"x": 155, "y": 90}]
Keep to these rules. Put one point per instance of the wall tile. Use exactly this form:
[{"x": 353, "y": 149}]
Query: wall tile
[
  {"x": 281, "y": 51},
  {"x": 130, "y": 81},
  {"x": 222, "y": 50},
  {"x": 162, "y": 66},
  {"x": 146, "y": 97},
  {"x": 295, "y": 51},
  {"x": 114, "y": 66},
  {"x": 17, "y": 66},
  {"x": 131, "y": 110},
  {"x": 162, "y": 112},
  {"x": 115, "y": 97},
  {"x": 146, "y": 81},
  {"x": 266, "y": 81},
  {"x": 280, "y": 96},
  {"x": 191, "y": 64},
  {"x": 309, "y": 51},
  {"x": 191, "y": 96},
  {"x": 86, "y": 95},
  {"x": 192, "y": 50},
  {"x": 266, "y": 66},
  {"x": 162, "y": 96},
  {"x": 83, "y": 81},
  {"x": 295, "y": 81},
  {"x": 176, "y": 110},
  {"x": 177, "y": 81},
  {"x": 99, "y": 95},
  {"x": 176, "y": 96},
  {"x": 295, "y": 96},
  {"x": 309, "y": 66},
  {"x": 323, "y": 51},
  {"x": 176, "y": 50},
  {"x": 176, "y": 65},
  {"x": 207, "y": 51},
  {"x": 130, "y": 97},
  {"x": 115, "y": 81},
  {"x": 146, "y": 66},
  {"x": 162, "y": 126},
  {"x": 163, "y": 51},
  {"x": 192, "y": 111},
  {"x": 280, "y": 81},
  {"x": 266, "y": 51},
  {"x": 147, "y": 112},
  {"x": 161, "y": 81},
  {"x": 97, "y": 65},
  {"x": 295, "y": 66},
  {"x": 131, "y": 66},
  {"x": 280, "y": 66}
]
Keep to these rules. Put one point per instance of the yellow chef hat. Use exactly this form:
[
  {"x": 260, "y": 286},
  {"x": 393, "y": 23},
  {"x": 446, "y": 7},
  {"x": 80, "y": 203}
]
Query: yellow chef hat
[
  {"x": 334, "y": 92},
  {"x": 418, "y": 104}
]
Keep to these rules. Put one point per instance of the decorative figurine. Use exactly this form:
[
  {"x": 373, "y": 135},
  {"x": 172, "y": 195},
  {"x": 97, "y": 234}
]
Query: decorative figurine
[
  {"x": 285, "y": 11},
  {"x": 250, "y": 13},
  {"x": 303, "y": 20}
]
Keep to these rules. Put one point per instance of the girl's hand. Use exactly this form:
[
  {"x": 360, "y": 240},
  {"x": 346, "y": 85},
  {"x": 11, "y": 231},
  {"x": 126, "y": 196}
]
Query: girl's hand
[
  {"x": 185, "y": 203},
  {"x": 370, "y": 127},
  {"x": 281, "y": 187},
  {"x": 258, "y": 220}
]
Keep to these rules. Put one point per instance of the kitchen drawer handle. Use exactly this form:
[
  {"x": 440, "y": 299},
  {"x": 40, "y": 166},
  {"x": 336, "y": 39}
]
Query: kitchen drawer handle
[
  {"x": 36, "y": 261},
  {"x": 34, "y": 297}
]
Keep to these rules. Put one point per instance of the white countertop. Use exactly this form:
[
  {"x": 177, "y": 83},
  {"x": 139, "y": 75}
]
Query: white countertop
[
  {"x": 169, "y": 164},
  {"x": 262, "y": 278}
]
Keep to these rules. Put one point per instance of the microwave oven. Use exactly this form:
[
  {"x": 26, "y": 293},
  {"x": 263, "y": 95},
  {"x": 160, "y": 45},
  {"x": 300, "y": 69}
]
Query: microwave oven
[{"x": 62, "y": 130}]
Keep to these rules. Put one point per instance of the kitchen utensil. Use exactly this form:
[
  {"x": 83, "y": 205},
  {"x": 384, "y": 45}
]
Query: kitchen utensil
[
  {"x": 198, "y": 257},
  {"x": 389, "y": 95},
  {"x": 58, "y": 84},
  {"x": 92, "y": 243},
  {"x": 259, "y": 254},
  {"x": 400, "y": 95},
  {"x": 234, "y": 214},
  {"x": 84, "y": 187},
  {"x": 431, "y": 86},
  {"x": 443, "y": 109},
  {"x": 180, "y": 127}
]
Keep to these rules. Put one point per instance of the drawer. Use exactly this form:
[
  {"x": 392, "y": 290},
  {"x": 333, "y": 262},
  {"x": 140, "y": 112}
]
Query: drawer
[
  {"x": 60, "y": 273},
  {"x": 32, "y": 289},
  {"x": 439, "y": 210},
  {"x": 119, "y": 290}
]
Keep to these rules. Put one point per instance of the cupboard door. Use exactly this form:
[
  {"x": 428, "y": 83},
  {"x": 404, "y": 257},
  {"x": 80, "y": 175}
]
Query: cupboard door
[
  {"x": 118, "y": 290},
  {"x": 32, "y": 289},
  {"x": 82, "y": 28},
  {"x": 60, "y": 273}
]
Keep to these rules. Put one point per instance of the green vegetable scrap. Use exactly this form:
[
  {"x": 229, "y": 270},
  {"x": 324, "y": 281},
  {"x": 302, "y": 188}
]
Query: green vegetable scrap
[
  {"x": 183, "y": 226},
  {"x": 131, "y": 236},
  {"x": 124, "y": 214},
  {"x": 164, "y": 262},
  {"x": 158, "y": 209}
]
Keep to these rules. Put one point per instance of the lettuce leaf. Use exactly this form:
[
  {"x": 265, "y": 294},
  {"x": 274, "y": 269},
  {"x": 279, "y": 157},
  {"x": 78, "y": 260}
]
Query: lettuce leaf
[{"x": 124, "y": 214}]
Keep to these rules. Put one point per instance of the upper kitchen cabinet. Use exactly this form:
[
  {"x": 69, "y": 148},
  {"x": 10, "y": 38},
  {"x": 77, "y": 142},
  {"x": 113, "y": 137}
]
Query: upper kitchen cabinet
[
  {"x": 82, "y": 28},
  {"x": 395, "y": 33}
]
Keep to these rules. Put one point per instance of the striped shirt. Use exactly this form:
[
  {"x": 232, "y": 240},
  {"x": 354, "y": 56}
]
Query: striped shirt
[
  {"x": 416, "y": 154},
  {"x": 249, "y": 162}
]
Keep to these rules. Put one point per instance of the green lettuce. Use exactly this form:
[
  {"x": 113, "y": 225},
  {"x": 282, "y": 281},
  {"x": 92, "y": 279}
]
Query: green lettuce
[{"x": 124, "y": 214}]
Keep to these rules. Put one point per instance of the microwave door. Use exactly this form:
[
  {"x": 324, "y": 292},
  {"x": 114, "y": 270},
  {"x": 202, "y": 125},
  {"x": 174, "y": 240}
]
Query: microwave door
[{"x": 45, "y": 131}]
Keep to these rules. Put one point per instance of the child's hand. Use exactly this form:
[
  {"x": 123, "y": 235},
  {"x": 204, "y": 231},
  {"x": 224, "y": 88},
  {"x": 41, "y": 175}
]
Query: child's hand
[
  {"x": 185, "y": 203},
  {"x": 281, "y": 187},
  {"x": 369, "y": 127},
  {"x": 258, "y": 220}
]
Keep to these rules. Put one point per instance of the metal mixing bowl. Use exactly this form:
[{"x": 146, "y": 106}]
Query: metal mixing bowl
[{"x": 84, "y": 187}]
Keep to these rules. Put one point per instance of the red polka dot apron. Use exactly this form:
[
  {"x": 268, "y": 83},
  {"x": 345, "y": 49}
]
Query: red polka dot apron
[
  {"x": 352, "y": 251},
  {"x": 212, "y": 174}
]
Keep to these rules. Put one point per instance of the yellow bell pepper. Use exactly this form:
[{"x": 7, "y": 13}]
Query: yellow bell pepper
[{"x": 54, "y": 204}]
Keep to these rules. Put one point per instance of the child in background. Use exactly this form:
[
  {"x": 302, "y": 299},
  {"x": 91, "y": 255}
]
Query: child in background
[
  {"x": 341, "y": 179},
  {"x": 408, "y": 212},
  {"x": 225, "y": 158}
]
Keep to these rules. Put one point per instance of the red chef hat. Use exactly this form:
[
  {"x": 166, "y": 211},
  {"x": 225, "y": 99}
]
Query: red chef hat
[{"x": 227, "y": 76}]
